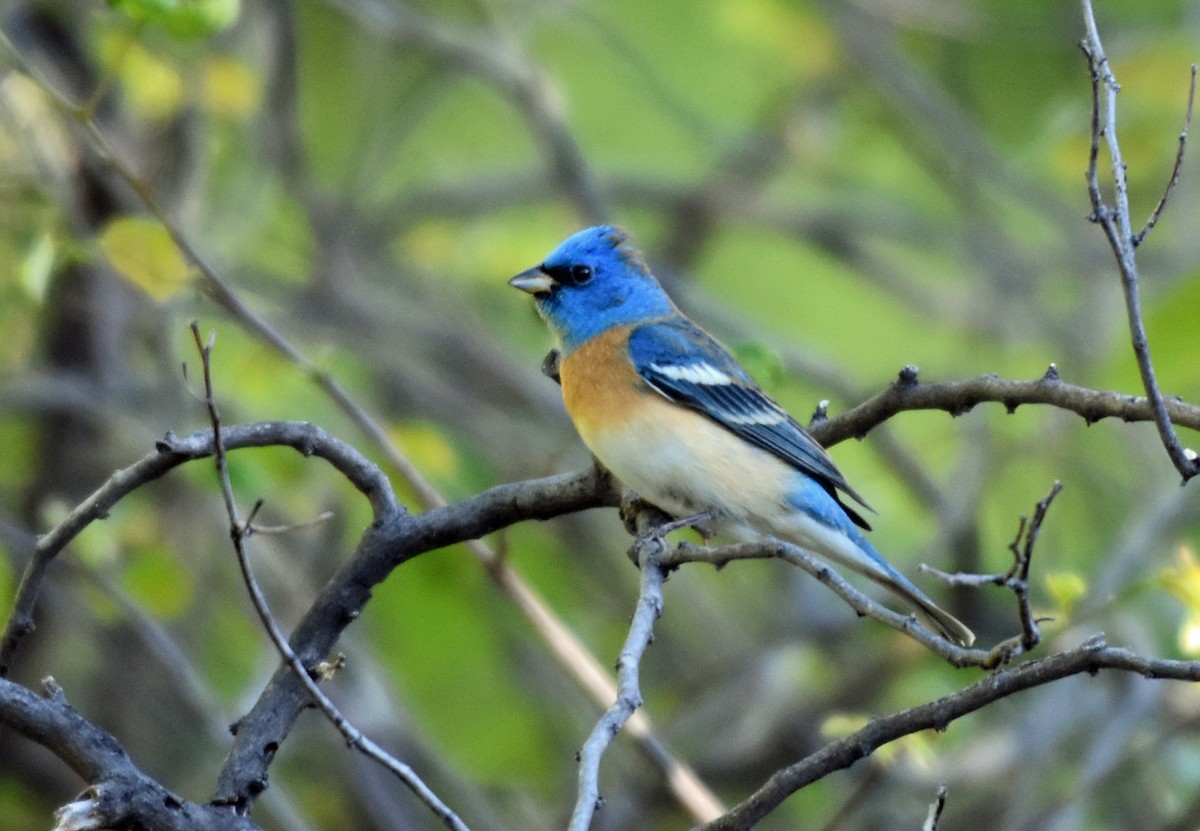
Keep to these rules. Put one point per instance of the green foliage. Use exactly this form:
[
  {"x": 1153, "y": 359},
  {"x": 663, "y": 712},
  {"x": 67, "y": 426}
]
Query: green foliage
[
  {"x": 182, "y": 18},
  {"x": 837, "y": 191},
  {"x": 440, "y": 628}
]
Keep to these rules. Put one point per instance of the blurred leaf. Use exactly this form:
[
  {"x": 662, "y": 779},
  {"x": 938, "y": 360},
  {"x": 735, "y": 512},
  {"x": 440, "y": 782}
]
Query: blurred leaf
[
  {"x": 37, "y": 266},
  {"x": 230, "y": 652},
  {"x": 143, "y": 252},
  {"x": 442, "y": 633},
  {"x": 916, "y": 746},
  {"x": 431, "y": 245},
  {"x": 157, "y": 580},
  {"x": 231, "y": 88},
  {"x": 795, "y": 37},
  {"x": 428, "y": 447},
  {"x": 1066, "y": 588},
  {"x": 1170, "y": 325},
  {"x": 8, "y": 581},
  {"x": 182, "y": 18},
  {"x": 1189, "y": 635},
  {"x": 1183, "y": 581},
  {"x": 19, "y": 806},
  {"x": 154, "y": 87},
  {"x": 762, "y": 362}
]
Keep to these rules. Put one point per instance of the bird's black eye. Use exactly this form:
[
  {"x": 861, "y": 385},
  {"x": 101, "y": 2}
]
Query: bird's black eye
[{"x": 569, "y": 275}]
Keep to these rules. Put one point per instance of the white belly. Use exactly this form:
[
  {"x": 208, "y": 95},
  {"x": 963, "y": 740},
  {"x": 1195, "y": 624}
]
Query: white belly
[{"x": 687, "y": 464}]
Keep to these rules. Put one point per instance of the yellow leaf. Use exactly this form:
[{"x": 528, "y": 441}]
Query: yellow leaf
[
  {"x": 801, "y": 40},
  {"x": 231, "y": 88},
  {"x": 428, "y": 448},
  {"x": 153, "y": 86},
  {"x": 1184, "y": 580},
  {"x": 143, "y": 253},
  {"x": 1189, "y": 635},
  {"x": 1067, "y": 588}
]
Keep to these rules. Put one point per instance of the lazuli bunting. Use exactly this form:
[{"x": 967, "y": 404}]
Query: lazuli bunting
[{"x": 671, "y": 413}]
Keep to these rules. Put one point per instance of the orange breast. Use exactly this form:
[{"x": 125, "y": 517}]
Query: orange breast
[{"x": 599, "y": 384}]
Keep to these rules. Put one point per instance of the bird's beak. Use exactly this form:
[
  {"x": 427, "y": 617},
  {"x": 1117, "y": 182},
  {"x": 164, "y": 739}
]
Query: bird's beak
[{"x": 534, "y": 281}]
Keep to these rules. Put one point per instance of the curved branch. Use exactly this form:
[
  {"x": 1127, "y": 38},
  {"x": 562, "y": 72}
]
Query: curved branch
[
  {"x": 386, "y": 544},
  {"x": 958, "y": 397},
  {"x": 308, "y": 678},
  {"x": 1089, "y": 657},
  {"x": 393, "y": 538},
  {"x": 121, "y": 795},
  {"x": 171, "y": 452}
]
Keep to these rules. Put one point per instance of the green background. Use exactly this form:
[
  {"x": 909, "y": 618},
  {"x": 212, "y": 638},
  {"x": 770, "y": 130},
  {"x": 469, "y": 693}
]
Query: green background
[{"x": 835, "y": 189}]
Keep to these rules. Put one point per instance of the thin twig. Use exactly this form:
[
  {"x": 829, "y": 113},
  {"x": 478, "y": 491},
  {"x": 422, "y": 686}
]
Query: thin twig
[
  {"x": 648, "y": 550},
  {"x": 1115, "y": 222},
  {"x": 1015, "y": 579},
  {"x": 1089, "y": 657},
  {"x": 237, "y": 533},
  {"x": 720, "y": 556},
  {"x": 935, "y": 810},
  {"x": 1174, "y": 179}
]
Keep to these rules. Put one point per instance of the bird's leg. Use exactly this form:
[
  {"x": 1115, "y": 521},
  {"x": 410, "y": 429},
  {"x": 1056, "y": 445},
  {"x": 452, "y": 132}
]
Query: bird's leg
[
  {"x": 699, "y": 522},
  {"x": 644, "y": 518}
]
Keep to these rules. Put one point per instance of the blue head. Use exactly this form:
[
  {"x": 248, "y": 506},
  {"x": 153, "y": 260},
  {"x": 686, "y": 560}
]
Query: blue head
[{"x": 593, "y": 280}]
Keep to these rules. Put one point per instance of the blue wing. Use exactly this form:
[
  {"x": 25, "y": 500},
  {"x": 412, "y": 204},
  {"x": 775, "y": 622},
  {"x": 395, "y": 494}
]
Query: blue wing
[{"x": 686, "y": 365}]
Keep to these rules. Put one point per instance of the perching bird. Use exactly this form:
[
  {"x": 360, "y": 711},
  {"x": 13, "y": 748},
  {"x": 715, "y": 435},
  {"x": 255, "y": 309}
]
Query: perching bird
[{"x": 674, "y": 416}]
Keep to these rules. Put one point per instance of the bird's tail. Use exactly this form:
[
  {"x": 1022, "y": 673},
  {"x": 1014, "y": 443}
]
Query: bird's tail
[
  {"x": 846, "y": 545},
  {"x": 928, "y": 612}
]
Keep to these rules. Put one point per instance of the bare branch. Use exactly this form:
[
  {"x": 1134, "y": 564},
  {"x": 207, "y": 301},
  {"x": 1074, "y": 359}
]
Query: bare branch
[
  {"x": 170, "y": 453},
  {"x": 858, "y": 601},
  {"x": 648, "y": 550},
  {"x": 1016, "y": 579},
  {"x": 121, "y": 795},
  {"x": 1115, "y": 222},
  {"x": 935, "y": 810},
  {"x": 1174, "y": 178},
  {"x": 958, "y": 397},
  {"x": 1089, "y": 657},
  {"x": 237, "y": 533}
]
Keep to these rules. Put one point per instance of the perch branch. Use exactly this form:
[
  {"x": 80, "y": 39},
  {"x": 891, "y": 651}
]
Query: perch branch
[
  {"x": 1016, "y": 579},
  {"x": 533, "y": 93},
  {"x": 648, "y": 551},
  {"x": 863, "y": 605}
]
